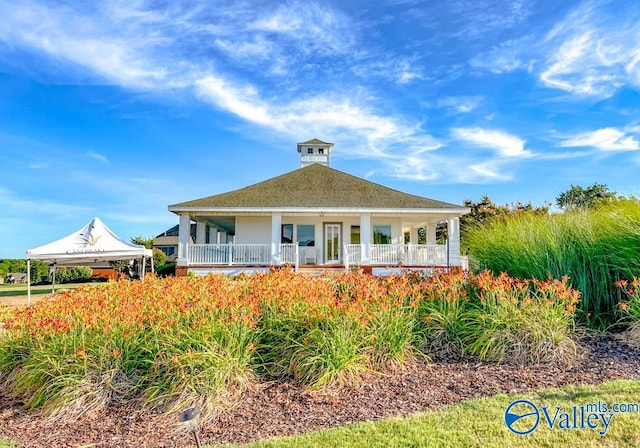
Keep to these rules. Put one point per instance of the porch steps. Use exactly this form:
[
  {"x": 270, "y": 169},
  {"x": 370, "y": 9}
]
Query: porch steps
[{"x": 318, "y": 271}]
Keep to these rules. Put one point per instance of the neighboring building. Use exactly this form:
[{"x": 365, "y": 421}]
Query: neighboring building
[
  {"x": 167, "y": 242},
  {"x": 317, "y": 216},
  {"x": 17, "y": 277}
]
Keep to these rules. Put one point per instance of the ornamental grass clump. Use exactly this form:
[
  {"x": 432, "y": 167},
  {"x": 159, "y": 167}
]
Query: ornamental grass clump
[
  {"x": 177, "y": 343},
  {"x": 92, "y": 347},
  {"x": 594, "y": 248},
  {"x": 521, "y": 321},
  {"x": 498, "y": 318}
]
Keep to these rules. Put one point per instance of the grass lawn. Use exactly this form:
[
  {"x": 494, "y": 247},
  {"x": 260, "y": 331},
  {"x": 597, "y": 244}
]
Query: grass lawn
[
  {"x": 480, "y": 423},
  {"x": 16, "y": 294}
]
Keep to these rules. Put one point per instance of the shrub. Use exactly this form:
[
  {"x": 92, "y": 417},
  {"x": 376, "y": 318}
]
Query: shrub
[
  {"x": 184, "y": 342},
  {"x": 593, "y": 247},
  {"x": 498, "y": 318},
  {"x": 629, "y": 308},
  {"x": 73, "y": 274}
]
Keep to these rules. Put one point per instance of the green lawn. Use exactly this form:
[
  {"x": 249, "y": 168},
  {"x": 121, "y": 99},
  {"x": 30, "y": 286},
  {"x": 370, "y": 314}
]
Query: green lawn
[
  {"x": 480, "y": 423},
  {"x": 20, "y": 290}
]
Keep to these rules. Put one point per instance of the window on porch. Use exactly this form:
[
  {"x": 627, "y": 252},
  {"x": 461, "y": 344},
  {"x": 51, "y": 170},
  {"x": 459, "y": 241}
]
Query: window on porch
[
  {"x": 382, "y": 234},
  {"x": 355, "y": 234},
  {"x": 306, "y": 235},
  {"x": 286, "y": 236}
]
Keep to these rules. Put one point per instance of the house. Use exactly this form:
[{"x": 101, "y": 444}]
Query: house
[
  {"x": 17, "y": 277},
  {"x": 167, "y": 242},
  {"x": 315, "y": 216}
]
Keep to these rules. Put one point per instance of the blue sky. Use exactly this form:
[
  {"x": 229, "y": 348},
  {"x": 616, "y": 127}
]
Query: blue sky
[{"x": 117, "y": 109}]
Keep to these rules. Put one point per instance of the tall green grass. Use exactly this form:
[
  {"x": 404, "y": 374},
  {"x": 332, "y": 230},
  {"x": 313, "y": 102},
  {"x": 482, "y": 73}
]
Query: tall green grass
[{"x": 593, "y": 247}]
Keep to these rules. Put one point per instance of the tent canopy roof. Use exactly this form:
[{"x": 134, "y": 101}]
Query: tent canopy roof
[{"x": 93, "y": 243}]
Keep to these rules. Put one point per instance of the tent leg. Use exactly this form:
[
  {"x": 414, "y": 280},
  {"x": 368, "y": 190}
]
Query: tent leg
[
  {"x": 53, "y": 282},
  {"x": 144, "y": 268},
  {"x": 28, "y": 282}
]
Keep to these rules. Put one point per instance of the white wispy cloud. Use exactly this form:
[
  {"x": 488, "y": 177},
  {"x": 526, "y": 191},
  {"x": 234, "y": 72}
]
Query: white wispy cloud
[
  {"x": 97, "y": 156},
  {"x": 460, "y": 104},
  {"x": 587, "y": 53},
  {"x": 318, "y": 114},
  {"x": 503, "y": 143},
  {"x": 209, "y": 50},
  {"x": 13, "y": 203},
  {"x": 314, "y": 26},
  {"x": 507, "y": 57},
  {"x": 605, "y": 139}
]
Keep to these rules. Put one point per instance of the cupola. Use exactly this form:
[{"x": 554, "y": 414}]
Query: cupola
[{"x": 314, "y": 151}]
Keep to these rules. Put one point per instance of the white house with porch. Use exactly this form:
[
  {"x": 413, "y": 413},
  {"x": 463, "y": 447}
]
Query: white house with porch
[{"x": 315, "y": 217}]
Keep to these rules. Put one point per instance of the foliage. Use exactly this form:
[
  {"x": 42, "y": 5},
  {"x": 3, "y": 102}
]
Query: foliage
[
  {"x": 121, "y": 266},
  {"x": 499, "y": 318},
  {"x": 579, "y": 197},
  {"x": 159, "y": 258},
  {"x": 166, "y": 269},
  {"x": 485, "y": 210},
  {"x": 593, "y": 247},
  {"x": 179, "y": 342},
  {"x": 142, "y": 241},
  {"x": 629, "y": 307},
  {"x": 73, "y": 274},
  {"x": 39, "y": 269}
]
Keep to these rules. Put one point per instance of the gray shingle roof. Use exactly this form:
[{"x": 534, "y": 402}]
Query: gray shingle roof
[
  {"x": 317, "y": 186},
  {"x": 315, "y": 141}
]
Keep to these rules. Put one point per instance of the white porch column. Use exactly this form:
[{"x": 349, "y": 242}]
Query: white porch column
[
  {"x": 430, "y": 230},
  {"x": 454, "y": 241},
  {"x": 276, "y": 226},
  {"x": 213, "y": 235},
  {"x": 365, "y": 238},
  {"x": 413, "y": 235},
  {"x": 201, "y": 232},
  {"x": 184, "y": 231}
]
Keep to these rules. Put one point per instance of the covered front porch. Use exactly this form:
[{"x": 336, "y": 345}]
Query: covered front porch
[{"x": 240, "y": 243}]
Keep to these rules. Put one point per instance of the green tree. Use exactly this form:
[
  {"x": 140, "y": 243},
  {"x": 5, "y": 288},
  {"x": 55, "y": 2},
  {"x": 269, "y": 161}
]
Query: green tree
[
  {"x": 121, "y": 266},
  {"x": 579, "y": 197},
  {"x": 73, "y": 274},
  {"x": 142, "y": 241},
  {"x": 159, "y": 258}
]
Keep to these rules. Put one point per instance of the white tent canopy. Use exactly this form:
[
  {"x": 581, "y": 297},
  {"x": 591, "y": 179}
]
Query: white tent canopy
[{"x": 93, "y": 243}]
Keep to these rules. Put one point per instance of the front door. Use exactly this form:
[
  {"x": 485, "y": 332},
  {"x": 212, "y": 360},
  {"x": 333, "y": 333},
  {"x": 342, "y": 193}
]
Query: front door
[{"x": 332, "y": 243}]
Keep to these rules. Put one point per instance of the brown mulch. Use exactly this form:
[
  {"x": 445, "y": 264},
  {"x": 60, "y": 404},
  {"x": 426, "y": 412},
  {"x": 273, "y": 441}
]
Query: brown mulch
[{"x": 279, "y": 408}]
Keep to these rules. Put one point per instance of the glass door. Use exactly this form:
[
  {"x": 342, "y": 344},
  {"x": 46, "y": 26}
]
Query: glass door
[{"x": 332, "y": 243}]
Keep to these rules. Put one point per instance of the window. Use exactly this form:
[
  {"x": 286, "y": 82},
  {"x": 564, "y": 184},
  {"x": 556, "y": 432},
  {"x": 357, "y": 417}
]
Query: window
[
  {"x": 168, "y": 250},
  {"x": 320, "y": 150},
  {"x": 309, "y": 150},
  {"x": 381, "y": 234},
  {"x": 355, "y": 234},
  {"x": 306, "y": 235},
  {"x": 286, "y": 235}
]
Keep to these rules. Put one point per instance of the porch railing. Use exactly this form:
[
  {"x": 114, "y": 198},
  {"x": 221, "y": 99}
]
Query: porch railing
[
  {"x": 260, "y": 254},
  {"x": 393, "y": 254},
  {"x": 229, "y": 254},
  {"x": 409, "y": 254}
]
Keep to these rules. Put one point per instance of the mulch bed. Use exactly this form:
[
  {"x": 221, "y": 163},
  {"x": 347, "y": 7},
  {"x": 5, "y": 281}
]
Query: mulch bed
[{"x": 279, "y": 408}]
